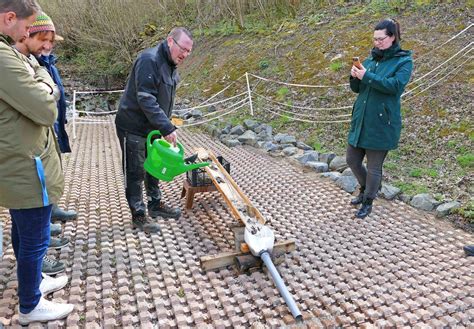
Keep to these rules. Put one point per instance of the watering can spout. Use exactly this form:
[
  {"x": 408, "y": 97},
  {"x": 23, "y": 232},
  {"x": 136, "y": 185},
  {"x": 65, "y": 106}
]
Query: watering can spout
[{"x": 164, "y": 161}]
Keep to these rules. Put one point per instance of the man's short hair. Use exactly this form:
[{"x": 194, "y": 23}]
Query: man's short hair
[
  {"x": 22, "y": 8},
  {"x": 177, "y": 31}
]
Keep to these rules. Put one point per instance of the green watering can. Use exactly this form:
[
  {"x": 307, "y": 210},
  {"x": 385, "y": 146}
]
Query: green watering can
[{"x": 164, "y": 161}]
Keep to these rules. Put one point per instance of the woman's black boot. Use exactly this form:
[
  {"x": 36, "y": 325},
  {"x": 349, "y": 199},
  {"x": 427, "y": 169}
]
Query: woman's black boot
[
  {"x": 365, "y": 209},
  {"x": 358, "y": 199}
]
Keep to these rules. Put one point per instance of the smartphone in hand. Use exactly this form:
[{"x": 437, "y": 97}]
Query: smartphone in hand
[{"x": 356, "y": 62}]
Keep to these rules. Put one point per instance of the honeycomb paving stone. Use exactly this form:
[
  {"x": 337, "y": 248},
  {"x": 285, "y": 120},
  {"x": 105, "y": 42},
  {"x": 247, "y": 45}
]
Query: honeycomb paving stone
[{"x": 399, "y": 268}]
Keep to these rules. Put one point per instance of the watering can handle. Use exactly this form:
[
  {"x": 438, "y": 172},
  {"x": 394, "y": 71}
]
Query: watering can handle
[{"x": 150, "y": 135}]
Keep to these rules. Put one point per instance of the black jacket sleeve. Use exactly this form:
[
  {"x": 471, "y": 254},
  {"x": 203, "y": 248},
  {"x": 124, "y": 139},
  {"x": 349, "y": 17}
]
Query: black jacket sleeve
[{"x": 147, "y": 84}]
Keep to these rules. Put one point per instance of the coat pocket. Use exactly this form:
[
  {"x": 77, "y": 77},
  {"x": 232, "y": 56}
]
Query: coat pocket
[{"x": 384, "y": 114}]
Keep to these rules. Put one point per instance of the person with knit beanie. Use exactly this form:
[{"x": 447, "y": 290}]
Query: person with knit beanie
[{"x": 31, "y": 179}]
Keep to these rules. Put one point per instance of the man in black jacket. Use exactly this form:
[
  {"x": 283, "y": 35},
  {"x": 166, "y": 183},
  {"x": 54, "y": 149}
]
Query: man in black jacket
[{"x": 146, "y": 105}]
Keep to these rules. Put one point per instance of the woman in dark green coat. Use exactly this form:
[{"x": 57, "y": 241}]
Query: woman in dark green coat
[{"x": 376, "y": 118}]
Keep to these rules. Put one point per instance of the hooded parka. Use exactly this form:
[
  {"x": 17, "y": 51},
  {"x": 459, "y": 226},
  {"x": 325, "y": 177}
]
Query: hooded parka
[
  {"x": 27, "y": 114},
  {"x": 376, "y": 119}
]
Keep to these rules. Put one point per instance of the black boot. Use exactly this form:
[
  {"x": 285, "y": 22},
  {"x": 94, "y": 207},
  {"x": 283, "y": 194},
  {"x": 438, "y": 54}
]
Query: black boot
[
  {"x": 160, "y": 209},
  {"x": 143, "y": 223},
  {"x": 365, "y": 209},
  {"x": 62, "y": 215},
  {"x": 358, "y": 199}
]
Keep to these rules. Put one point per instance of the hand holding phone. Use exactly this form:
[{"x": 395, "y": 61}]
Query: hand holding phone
[{"x": 356, "y": 62}]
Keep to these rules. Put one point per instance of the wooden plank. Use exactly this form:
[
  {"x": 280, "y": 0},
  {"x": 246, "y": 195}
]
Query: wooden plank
[
  {"x": 240, "y": 206},
  {"x": 212, "y": 262}
]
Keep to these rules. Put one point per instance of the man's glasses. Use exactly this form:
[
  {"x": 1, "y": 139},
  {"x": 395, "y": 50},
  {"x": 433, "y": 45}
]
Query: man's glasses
[
  {"x": 184, "y": 50},
  {"x": 380, "y": 39}
]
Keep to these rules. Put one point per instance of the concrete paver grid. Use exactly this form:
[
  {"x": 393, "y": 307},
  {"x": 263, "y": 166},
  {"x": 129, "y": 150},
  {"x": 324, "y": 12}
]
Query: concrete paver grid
[{"x": 398, "y": 267}]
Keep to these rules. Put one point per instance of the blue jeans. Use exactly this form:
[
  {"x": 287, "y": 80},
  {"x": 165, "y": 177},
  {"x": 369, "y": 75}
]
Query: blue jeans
[{"x": 30, "y": 240}]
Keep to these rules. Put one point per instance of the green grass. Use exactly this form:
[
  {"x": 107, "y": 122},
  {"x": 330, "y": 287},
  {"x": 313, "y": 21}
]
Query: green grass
[
  {"x": 280, "y": 121},
  {"x": 466, "y": 160},
  {"x": 411, "y": 188},
  {"x": 433, "y": 173},
  {"x": 282, "y": 92},
  {"x": 336, "y": 66},
  {"x": 417, "y": 172},
  {"x": 467, "y": 211}
]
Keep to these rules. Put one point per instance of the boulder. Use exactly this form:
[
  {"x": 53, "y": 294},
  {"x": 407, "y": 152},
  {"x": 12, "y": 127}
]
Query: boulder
[
  {"x": 347, "y": 172},
  {"x": 308, "y": 156},
  {"x": 211, "y": 109},
  {"x": 338, "y": 163},
  {"x": 347, "y": 183},
  {"x": 264, "y": 127},
  {"x": 248, "y": 137},
  {"x": 317, "y": 166},
  {"x": 303, "y": 146},
  {"x": 289, "y": 151},
  {"x": 264, "y": 136},
  {"x": 333, "y": 175},
  {"x": 237, "y": 130},
  {"x": 327, "y": 157},
  {"x": 446, "y": 208},
  {"x": 389, "y": 192},
  {"x": 251, "y": 124},
  {"x": 424, "y": 201},
  {"x": 196, "y": 114},
  {"x": 285, "y": 139},
  {"x": 226, "y": 130},
  {"x": 269, "y": 146},
  {"x": 231, "y": 142}
]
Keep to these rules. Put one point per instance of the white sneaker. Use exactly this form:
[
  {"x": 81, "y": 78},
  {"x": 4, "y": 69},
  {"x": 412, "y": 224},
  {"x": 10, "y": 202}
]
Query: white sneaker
[
  {"x": 46, "y": 311},
  {"x": 49, "y": 284}
]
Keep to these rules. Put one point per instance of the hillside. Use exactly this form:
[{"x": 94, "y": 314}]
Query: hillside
[{"x": 315, "y": 48}]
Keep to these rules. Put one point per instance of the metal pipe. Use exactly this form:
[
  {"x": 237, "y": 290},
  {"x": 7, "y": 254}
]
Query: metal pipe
[{"x": 281, "y": 286}]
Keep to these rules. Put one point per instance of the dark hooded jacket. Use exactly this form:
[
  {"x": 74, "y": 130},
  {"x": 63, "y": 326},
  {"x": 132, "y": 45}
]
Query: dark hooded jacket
[
  {"x": 376, "y": 119},
  {"x": 49, "y": 62},
  {"x": 148, "y": 98}
]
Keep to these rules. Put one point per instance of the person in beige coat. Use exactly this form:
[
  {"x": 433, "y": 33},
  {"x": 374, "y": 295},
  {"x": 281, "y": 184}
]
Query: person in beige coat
[{"x": 31, "y": 176}]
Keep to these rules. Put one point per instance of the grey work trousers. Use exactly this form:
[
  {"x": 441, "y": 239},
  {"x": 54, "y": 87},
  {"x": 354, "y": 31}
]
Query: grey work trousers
[{"x": 369, "y": 178}]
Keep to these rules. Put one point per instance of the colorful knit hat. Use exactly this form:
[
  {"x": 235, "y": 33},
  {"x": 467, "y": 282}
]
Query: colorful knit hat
[{"x": 44, "y": 23}]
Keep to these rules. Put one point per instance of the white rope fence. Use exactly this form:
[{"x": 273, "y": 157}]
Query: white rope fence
[
  {"x": 446, "y": 42},
  {"x": 228, "y": 111},
  {"x": 443, "y": 70}
]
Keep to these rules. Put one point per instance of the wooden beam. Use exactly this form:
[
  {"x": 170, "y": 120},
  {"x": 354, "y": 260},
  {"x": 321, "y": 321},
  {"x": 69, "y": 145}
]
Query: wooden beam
[
  {"x": 240, "y": 206},
  {"x": 212, "y": 262}
]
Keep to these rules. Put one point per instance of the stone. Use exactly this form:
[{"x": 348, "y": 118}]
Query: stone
[
  {"x": 264, "y": 127},
  {"x": 423, "y": 201},
  {"x": 338, "y": 163},
  {"x": 308, "y": 156},
  {"x": 389, "y": 192},
  {"x": 347, "y": 183},
  {"x": 303, "y": 146},
  {"x": 264, "y": 136},
  {"x": 333, "y": 175},
  {"x": 251, "y": 124},
  {"x": 285, "y": 139},
  {"x": 405, "y": 198},
  {"x": 327, "y": 157},
  {"x": 231, "y": 142},
  {"x": 226, "y": 130},
  {"x": 289, "y": 151},
  {"x": 317, "y": 166},
  {"x": 196, "y": 113},
  {"x": 248, "y": 137},
  {"x": 446, "y": 208},
  {"x": 269, "y": 147},
  {"x": 211, "y": 109},
  {"x": 347, "y": 172},
  {"x": 237, "y": 130}
]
